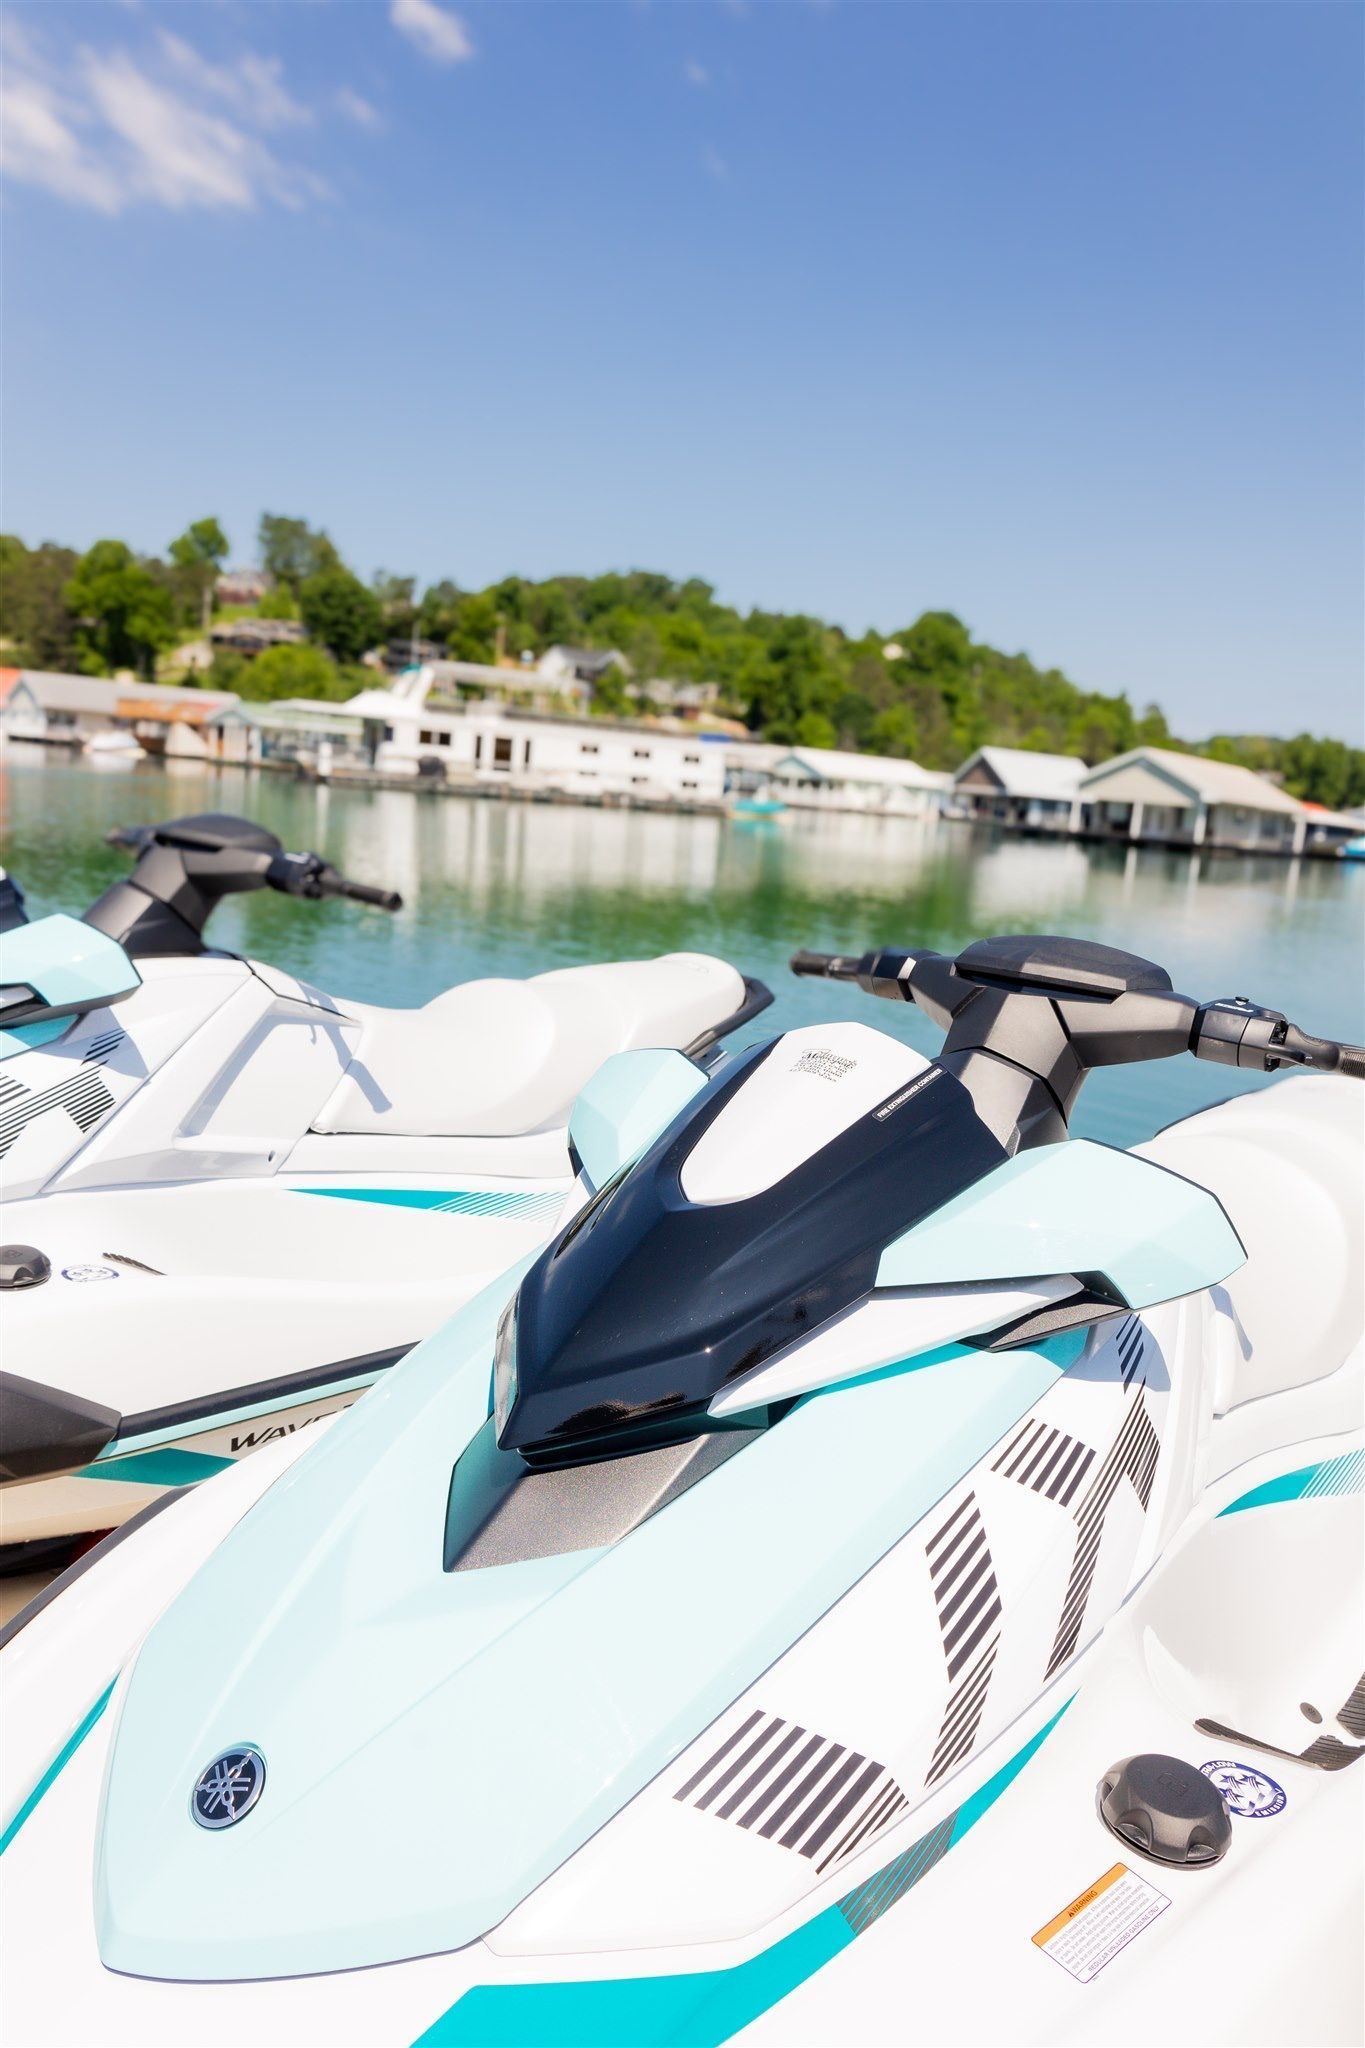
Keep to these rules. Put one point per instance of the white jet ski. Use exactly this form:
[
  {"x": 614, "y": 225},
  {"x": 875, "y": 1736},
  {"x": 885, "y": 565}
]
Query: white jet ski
[
  {"x": 231, "y": 1200},
  {"x": 890, "y": 1572}
]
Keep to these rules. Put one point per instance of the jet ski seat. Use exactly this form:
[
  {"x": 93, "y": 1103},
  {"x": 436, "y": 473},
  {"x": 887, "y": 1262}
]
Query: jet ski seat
[
  {"x": 1286, "y": 1164},
  {"x": 501, "y": 1058}
]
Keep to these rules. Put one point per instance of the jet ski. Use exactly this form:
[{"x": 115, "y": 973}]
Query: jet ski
[
  {"x": 886, "y": 1570},
  {"x": 232, "y": 1200}
]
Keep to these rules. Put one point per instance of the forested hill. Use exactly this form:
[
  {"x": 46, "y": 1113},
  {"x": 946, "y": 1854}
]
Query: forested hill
[
  {"x": 925, "y": 689},
  {"x": 928, "y": 690}
]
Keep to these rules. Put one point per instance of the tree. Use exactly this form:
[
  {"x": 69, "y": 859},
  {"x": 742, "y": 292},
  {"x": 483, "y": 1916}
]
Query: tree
[
  {"x": 292, "y": 552},
  {"x": 813, "y": 729},
  {"x": 473, "y": 627},
  {"x": 796, "y": 676},
  {"x": 397, "y": 600},
  {"x": 893, "y": 732},
  {"x": 124, "y": 616},
  {"x": 1152, "y": 729},
  {"x": 289, "y": 672},
  {"x": 34, "y": 614},
  {"x": 1324, "y": 771},
  {"x": 437, "y": 611},
  {"x": 199, "y": 553},
  {"x": 279, "y": 603},
  {"x": 340, "y": 612}
]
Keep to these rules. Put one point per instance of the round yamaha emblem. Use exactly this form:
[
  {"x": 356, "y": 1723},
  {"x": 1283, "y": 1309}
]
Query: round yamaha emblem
[{"x": 228, "y": 1789}]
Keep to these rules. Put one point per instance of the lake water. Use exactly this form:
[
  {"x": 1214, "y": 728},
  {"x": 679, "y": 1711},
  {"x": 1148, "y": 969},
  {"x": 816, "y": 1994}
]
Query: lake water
[{"x": 515, "y": 888}]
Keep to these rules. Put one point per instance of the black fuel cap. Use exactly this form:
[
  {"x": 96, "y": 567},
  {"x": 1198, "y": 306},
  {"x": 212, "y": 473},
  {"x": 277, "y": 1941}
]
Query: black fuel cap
[
  {"x": 23, "y": 1265},
  {"x": 1166, "y": 1809}
]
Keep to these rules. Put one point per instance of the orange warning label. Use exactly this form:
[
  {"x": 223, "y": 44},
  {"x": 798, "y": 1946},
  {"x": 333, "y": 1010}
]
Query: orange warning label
[{"x": 1092, "y": 1930}]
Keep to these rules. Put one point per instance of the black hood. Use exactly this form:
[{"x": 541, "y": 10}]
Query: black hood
[{"x": 648, "y": 1304}]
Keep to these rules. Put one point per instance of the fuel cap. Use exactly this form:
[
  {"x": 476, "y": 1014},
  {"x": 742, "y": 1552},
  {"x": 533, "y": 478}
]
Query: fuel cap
[
  {"x": 1166, "y": 1809},
  {"x": 23, "y": 1265}
]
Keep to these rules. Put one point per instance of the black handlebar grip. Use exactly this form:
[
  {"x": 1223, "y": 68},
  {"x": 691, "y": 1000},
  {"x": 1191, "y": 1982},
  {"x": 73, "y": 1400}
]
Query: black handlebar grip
[
  {"x": 833, "y": 966},
  {"x": 383, "y": 899},
  {"x": 1353, "y": 1062}
]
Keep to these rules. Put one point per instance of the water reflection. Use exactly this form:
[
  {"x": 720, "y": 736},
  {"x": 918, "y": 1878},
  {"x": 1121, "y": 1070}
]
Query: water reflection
[{"x": 510, "y": 888}]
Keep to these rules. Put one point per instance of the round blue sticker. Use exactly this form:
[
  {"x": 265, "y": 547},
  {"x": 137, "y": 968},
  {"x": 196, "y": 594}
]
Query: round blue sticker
[{"x": 1246, "y": 1792}]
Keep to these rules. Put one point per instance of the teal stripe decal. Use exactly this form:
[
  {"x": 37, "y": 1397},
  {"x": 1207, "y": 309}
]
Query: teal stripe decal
[
  {"x": 452, "y": 1201},
  {"x": 1345, "y": 1474},
  {"x": 157, "y": 1468},
  {"x": 56, "y": 1767},
  {"x": 706, "y": 2007}
]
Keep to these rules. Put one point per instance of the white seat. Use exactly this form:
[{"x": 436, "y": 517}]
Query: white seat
[
  {"x": 1286, "y": 1165},
  {"x": 499, "y": 1058}
]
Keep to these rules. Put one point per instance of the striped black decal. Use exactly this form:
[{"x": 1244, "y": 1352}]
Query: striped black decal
[
  {"x": 1047, "y": 1461},
  {"x": 1352, "y": 1715},
  {"x": 1133, "y": 1453},
  {"x": 796, "y": 1788},
  {"x": 962, "y": 1717},
  {"x": 1129, "y": 1338},
  {"x": 968, "y": 1601},
  {"x": 965, "y": 1590},
  {"x": 82, "y": 1094}
]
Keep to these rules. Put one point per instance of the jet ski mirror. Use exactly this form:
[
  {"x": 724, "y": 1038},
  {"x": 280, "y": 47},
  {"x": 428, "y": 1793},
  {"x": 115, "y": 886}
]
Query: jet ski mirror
[
  {"x": 1076, "y": 1208},
  {"x": 57, "y": 968},
  {"x": 630, "y": 1100}
]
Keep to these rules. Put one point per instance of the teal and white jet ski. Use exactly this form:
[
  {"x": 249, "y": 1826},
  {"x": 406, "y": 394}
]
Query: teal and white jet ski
[
  {"x": 231, "y": 1200},
  {"x": 886, "y": 1571}
]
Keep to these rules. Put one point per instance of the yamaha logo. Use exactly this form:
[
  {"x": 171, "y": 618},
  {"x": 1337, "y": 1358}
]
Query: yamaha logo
[{"x": 228, "y": 1789}]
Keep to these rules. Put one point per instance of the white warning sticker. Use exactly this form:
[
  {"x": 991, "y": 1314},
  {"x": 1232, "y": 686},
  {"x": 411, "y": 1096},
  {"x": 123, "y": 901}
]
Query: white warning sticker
[{"x": 1089, "y": 1932}]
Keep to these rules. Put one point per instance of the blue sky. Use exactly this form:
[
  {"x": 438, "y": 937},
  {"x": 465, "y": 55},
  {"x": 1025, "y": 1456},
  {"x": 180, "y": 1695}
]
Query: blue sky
[{"x": 1050, "y": 315}]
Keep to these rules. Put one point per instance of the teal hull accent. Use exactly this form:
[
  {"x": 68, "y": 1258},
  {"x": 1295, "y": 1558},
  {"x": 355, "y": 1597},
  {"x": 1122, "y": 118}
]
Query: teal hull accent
[
  {"x": 452, "y": 1201},
  {"x": 704, "y": 2008},
  {"x": 157, "y": 1468},
  {"x": 56, "y": 1767},
  {"x": 1345, "y": 1474},
  {"x": 25, "y": 1037}
]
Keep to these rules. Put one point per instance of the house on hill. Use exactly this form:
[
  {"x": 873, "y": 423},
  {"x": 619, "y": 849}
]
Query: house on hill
[
  {"x": 580, "y": 664},
  {"x": 253, "y": 636},
  {"x": 241, "y": 586}
]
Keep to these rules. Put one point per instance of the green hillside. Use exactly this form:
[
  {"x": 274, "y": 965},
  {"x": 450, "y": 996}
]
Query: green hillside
[{"x": 924, "y": 689}]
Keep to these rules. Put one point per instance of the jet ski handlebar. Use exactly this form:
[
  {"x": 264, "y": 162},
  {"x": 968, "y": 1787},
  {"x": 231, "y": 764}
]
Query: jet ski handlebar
[
  {"x": 184, "y": 868},
  {"x": 307, "y": 874},
  {"x": 1103, "y": 1008}
]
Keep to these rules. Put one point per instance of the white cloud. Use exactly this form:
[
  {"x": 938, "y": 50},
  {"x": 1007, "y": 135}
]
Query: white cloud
[
  {"x": 714, "y": 164},
  {"x": 105, "y": 129},
  {"x": 696, "y": 74},
  {"x": 435, "y": 31},
  {"x": 254, "y": 86},
  {"x": 41, "y": 138},
  {"x": 358, "y": 109},
  {"x": 181, "y": 155}
]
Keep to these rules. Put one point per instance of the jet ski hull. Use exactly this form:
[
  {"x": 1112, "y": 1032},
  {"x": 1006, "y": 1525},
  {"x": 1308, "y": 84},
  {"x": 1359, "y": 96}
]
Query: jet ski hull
[{"x": 1154, "y": 1545}]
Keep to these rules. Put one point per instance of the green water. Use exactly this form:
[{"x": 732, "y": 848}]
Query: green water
[{"x": 513, "y": 888}]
